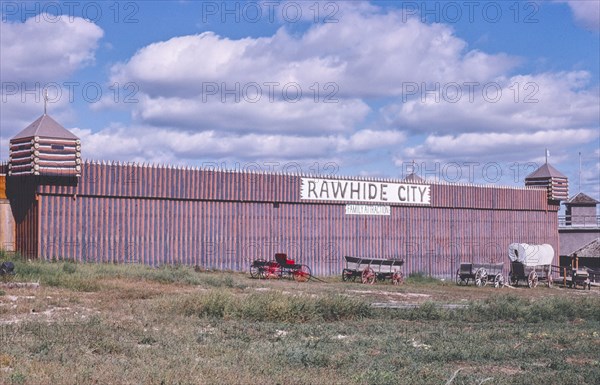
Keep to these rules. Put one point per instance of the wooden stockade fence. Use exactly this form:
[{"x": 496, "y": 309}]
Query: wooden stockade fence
[{"x": 156, "y": 215}]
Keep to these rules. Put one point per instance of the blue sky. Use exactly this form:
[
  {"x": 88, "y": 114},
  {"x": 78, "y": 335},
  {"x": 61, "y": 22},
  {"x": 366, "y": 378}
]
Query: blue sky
[{"x": 469, "y": 91}]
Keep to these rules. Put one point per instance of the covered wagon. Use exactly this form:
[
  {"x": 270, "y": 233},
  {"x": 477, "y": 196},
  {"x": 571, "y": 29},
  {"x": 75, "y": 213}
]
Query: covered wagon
[{"x": 530, "y": 263}]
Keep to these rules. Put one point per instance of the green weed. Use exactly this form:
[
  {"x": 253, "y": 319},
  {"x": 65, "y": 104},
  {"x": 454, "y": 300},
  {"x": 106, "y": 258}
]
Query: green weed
[
  {"x": 273, "y": 307},
  {"x": 421, "y": 278}
]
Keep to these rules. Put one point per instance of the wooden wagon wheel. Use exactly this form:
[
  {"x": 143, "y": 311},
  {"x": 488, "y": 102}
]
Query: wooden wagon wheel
[
  {"x": 397, "y": 278},
  {"x": 459, "y": 280},
  {"x": 302, "y": 274},
  {"x": 513, "y": 279},
  {"x": 368, "y": 276},
  {"x": 499, "y": 281},
  {"x": 532, "y": 279},
  {"x": 258, "y": 269},
  {"x": 255, "y": 271},
  {"x": 481, "y": 277},
  {"x": 346, "y": 275}
]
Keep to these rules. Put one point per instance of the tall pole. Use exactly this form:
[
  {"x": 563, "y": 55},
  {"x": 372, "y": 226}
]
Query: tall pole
[{"x": 579, "y": 171}]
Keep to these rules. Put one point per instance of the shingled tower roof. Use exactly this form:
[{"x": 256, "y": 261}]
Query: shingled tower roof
[
  {"x": 553, "y": 180},
  {"x": 546, "y": 171},
  {"x": 412, "y": 177},
  {"x": 45, "y": 127}
]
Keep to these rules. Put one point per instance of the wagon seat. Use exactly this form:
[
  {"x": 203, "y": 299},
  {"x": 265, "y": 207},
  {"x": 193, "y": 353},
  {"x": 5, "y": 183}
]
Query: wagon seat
[{"x": 283, "y": 260}]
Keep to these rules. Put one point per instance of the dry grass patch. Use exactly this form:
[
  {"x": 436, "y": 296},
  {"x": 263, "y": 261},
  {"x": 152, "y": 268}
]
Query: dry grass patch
[{"x": 176, "y": 326}]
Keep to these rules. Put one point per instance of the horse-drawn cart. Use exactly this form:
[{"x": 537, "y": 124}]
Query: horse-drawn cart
[
  {"x": 580, "y": 277},
  {"x": 481, "y": 274},
  {"x": 530, "y": 263},
  {"x": 371, "y": 269},
  {"x": 281, "y": 267}
]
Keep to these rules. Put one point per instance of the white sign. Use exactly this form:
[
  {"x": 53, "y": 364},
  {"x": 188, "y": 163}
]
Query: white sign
[
  {"x": 364, "y": 191},
  {"x": 368, "y": 210}
]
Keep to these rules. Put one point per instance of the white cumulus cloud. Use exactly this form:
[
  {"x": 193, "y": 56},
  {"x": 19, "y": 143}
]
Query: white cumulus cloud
[
  {"x": 46, "y": 48},
  {"x": 586, "y": 12},
  {"x": 43, "y": 50}
]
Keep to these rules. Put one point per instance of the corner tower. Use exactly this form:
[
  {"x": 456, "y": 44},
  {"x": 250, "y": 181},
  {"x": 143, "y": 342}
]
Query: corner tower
[
  {"x": 553, "y": 180},
  {"x": 45, "y": 148}
]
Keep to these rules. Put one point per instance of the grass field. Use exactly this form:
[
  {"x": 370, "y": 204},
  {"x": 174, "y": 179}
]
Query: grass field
[{"x": 109, "y": 324}]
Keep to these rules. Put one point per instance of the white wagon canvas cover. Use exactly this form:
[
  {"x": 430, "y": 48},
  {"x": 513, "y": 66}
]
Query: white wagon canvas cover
[{"x": 531, "y": 255}]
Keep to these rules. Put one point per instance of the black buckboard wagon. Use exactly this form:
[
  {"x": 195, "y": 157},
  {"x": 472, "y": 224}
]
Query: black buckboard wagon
[
  {"x": 481, "y": 274},
  {"x": 370, "y": 270}
]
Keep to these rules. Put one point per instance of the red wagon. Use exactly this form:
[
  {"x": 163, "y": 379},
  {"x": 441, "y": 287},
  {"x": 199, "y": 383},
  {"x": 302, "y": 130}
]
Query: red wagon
[{"x": 281, "y": 267}]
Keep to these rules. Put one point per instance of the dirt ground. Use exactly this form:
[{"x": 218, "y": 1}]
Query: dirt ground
[{"x": 51, "y": 303}]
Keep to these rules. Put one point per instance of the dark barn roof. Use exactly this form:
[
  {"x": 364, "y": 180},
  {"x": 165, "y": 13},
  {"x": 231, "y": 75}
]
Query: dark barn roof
[
  {"x": 45, "y": 127},
  {"x": 592, "y": 249},
  {"x": 582, "y": 199}
]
